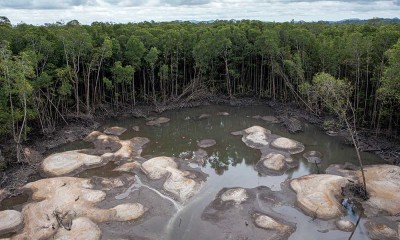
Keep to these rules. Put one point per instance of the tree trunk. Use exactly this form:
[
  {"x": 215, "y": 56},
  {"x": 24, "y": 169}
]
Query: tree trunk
[
  {"x": 353, "y": 134},
  {"x": 133, "y": 89},
  {"x": 153, "y": 84}
]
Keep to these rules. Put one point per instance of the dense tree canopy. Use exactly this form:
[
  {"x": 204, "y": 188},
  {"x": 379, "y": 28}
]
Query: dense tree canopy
[{"x": 48, "y": 72}]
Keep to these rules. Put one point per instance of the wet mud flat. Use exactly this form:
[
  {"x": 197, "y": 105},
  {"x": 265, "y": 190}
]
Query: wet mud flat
[{"x": 214, "y": 172}]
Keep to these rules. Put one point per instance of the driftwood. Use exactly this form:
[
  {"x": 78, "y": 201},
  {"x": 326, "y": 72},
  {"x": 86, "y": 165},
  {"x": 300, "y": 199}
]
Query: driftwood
[
  {"x": 355, "y": 190},
  {"x": 192, "y": 92},
  {"x": 64, "y": 220}
]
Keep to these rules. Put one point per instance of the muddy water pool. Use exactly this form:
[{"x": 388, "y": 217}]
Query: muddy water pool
[{"x": 230, "y": 163}]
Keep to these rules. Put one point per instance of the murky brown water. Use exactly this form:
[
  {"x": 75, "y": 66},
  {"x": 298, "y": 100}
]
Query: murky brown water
[
  {"x": 231, "y": 164},
  {"x": 15, "y": 203}
]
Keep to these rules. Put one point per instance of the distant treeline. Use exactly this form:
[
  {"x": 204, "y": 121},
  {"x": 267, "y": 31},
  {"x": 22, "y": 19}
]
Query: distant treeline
[{"x": 52, "y": 71}]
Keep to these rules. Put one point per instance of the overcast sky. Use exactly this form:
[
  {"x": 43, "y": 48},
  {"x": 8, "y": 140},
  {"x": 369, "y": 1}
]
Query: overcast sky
[{"x": 122, "y": 11}]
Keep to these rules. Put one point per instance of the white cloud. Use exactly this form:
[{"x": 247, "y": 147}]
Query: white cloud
[{"x": 88, "y": 11}]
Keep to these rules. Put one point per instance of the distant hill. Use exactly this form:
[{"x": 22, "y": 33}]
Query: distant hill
[
  {"x": 344, "y": 21},
  {"x": 196, "y": 21},
  {"x": 356, "y": 20}
]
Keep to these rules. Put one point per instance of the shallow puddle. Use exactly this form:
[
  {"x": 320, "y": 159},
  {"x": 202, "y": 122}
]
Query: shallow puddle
[
  {"x": 103, "y": 171},
  {"x": 14, "y": 203}
]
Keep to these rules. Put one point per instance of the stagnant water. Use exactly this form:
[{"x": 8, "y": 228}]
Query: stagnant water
[{"x": 230, "y": 164}]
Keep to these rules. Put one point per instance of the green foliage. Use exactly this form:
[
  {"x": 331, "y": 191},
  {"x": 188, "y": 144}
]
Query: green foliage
[
  {"x": 305, "y": 88},
  {"x": 4, "y": 119},
  {"x": 122, "y": 74},
  {"x": 163, "y": 74},
  {"x": 42, "y": 81},
  {"x": 63, "y": 75},
  {"x": 267, "y": 43},
  {"x": 16, "y": 110},
  {"x": 152, "y": 56},
  {"x": 4, "y": 21},
  {"x": 105, "y": 50},
  {"x": 390, "y": 83},
  {"x": 335, "y": 93},
  {"x": 134, "y": 52},
  {"x": 57, "y": 67},
  {"x": 294, "y": 67},
  {"x": 107, "y": 83},
  {"x": 65, "y": 88}
]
